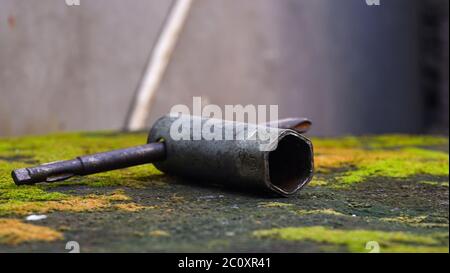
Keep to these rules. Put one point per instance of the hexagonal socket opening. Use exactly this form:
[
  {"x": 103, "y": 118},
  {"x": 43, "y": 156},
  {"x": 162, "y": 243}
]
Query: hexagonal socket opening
[{"x": 291, "y": 164}]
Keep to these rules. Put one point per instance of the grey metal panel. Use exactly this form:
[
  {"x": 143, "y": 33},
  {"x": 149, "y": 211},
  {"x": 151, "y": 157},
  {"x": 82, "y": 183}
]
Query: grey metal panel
[{"x": 72, "y": 68}]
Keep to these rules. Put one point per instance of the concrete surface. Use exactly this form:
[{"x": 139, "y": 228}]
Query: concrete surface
[{"x": 381, "y": 193}]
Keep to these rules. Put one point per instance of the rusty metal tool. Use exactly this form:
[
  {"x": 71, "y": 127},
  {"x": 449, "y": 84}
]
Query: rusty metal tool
[{"x": 239, "y": 162}]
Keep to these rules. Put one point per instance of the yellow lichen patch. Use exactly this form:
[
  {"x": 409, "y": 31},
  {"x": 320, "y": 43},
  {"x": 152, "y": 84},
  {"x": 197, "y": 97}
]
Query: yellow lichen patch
[
  {"x": 159, "y": 233},
  {"x": 274, "y": 205},
  {"x": 15, "y": 232},
  {"x": 320, "y": 211},
  {"x": 406, "y": 219},
  {"x": 131, "y": 207},
  {"x": 417, "y": 221},
  {"x": 328, "y": 159},
  {"x": 357, "y": 240},
  {"x": 433, "y": 183},
  {"x": 118, "y": 195},
  {"x": 72, "y": 204}
]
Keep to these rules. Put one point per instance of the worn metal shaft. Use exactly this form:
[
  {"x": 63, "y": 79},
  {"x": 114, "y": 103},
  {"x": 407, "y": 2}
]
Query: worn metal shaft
[
  {"x": 238, "y": 162},
  {"x": 89, "y": 164}
]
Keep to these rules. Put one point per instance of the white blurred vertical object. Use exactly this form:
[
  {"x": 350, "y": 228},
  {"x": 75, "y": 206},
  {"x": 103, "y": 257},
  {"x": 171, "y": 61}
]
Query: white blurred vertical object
[{"x": 157, "y": 64}]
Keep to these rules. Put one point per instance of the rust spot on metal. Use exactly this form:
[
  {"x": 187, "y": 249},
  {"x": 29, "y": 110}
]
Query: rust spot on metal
[{"x": 12, "y": 21}]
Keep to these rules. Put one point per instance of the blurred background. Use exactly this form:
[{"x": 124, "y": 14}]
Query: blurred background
[{"x": 350, "y": 67}]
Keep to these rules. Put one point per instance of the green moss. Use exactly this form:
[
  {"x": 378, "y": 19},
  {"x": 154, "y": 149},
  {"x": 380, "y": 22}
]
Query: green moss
[
  {"x": 317, "y": 182},
  {"x": 9, "y": 191},
  {"x": 26, "y": 151},
  {"x": 399, "y": 164},
  {"x": 29, "y": 193},
  {"x": 380, "y": 142},
  {"x": 390, "y": 141},
  {"x": 352, "y": 159},
  {"x": 356, "y": 240},
  {"x": 66, "y": 146},
  {"x": 54, "y": 147}
]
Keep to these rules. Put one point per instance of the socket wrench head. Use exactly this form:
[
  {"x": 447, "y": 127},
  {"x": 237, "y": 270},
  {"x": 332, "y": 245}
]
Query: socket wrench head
[{"x": 282, "y": 166}]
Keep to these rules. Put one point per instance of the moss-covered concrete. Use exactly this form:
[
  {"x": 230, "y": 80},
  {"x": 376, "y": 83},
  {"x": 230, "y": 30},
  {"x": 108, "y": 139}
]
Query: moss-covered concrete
[{"x": 392, "y": 190}]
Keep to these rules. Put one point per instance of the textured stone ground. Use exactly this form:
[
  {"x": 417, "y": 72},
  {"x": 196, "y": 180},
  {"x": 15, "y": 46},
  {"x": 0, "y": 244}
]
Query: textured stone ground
[{"x": 389, "y": 192}]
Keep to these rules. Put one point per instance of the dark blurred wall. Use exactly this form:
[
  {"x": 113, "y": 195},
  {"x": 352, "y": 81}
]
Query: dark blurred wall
[
  {"x": 351, "y": 68},
  {"x": 434, "y": 61}
]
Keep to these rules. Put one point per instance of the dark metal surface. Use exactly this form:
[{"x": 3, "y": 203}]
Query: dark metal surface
[{"x": 237, "y": 162}]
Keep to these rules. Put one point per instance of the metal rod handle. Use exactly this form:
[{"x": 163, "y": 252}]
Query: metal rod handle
[
  {"x": 117, "y": 159},
  {"x": 89, "y": 164}
]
